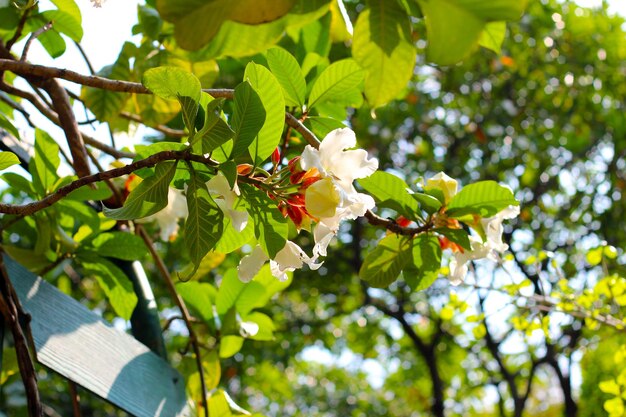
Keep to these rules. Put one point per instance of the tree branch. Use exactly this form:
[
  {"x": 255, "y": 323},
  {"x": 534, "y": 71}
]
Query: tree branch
[{"x": 30, "y": 208}]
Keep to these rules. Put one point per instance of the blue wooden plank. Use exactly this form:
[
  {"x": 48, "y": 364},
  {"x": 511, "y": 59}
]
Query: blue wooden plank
[{"x": 80, "y": 345}]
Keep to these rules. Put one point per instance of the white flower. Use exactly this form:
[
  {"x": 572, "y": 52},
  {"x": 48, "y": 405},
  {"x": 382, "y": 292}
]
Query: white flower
[
  {"x": 488, "y": 249},
  {"x": 225, "y": 198},
  {"x": 334, "y": 198},
  {"x": 443, "y": 182},
  {"x": 289, "y": 258},
  {"x": 493, "y": 227},
  {"x": 167, "y": 218}
]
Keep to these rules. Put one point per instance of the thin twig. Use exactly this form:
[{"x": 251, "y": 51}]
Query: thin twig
[
  {"x": 85, "y": 57},
  {"x": 17, "y": 107},
  {"x": 19, "y": 29},
  {"x": 32, "y": 37},
  {"x": 183, "y": 310}
]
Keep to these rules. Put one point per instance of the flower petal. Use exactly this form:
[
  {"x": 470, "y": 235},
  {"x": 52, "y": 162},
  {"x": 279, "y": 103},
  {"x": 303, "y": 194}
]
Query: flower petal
[{"x": 251, "y": 264}]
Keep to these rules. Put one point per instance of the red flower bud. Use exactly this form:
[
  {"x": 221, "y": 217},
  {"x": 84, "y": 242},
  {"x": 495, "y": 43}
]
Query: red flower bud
[{"x": 276, "y": 156}]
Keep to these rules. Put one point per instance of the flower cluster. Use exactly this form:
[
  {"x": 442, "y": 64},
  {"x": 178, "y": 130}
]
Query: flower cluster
[
  {"x": 322, "y": 196},
  {"x": 491, "y": 228}
]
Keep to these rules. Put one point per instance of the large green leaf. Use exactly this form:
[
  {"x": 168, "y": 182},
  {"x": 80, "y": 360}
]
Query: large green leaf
[
  {"x": 270, "y": 93},
  {"x": 105, "y": 104},
  {"x": 44, "y": 164},
  {"x": 493, "y": 36},
  {"x": 392, "y": 192},
  {"x": 149, "y": 197},
  {"x": 8, "y": 159},
  {"x": 382, "y": 46},
  {"x": 116, "y": 286},
  {"x": 484, "y": 198},
  {"x": 120, "y": 245},
  {"x": 200, "y": 296},
  {"x": 270, "y": 227},
  {"x": 215, "y": 132},
  {"x": 248, "y": 118},
  {"x": 231, "y": 239},
  {"x": 243, "y": 296},
  {"x": 203, "y": 226},
  {"x": 197, "y": 22},
  {"x": 67, "y": 19},
  {"x": 289, "y": 75},
  {"x": 455, "y": 26},
  {"x": 336, "y": 80},
  {"x": 382, "y": 266},
  {"x": 426, "y": 262},
  {"x": 176, "y": 83}
]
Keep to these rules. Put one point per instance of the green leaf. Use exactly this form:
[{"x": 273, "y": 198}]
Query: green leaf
[
  {"x": 230, "y": 345},
  {"x": 200, "y": 296},
  {"x": 44, "y": 164},
  {"x": 484, "y": 198},
  {"x": 270, "y": 227},
  {"x": 101, "y": 192},
  {"x": 116, "y": 286},
  {"x": 171, "y": 83},
  {"x": 248, "y": 118},
  {"x": 229, "y": 169},
  {"x": 382, "y": 45},
  {"x": 80, "y": 211},
  {"x": 176, "y": 83},
  {"x": 392, "y": 192},
  {"x": 104, "y": 104},
  {"x": 426, "y": 262},
  {"x": 455, "y": 26},
  {"x": 289, "y": 75},
  {"x": 215, "y": 131},
  {"x": 322, "y": 126},
  {"x": 266, "y": 326},
  {"x": 8, "y": 126},
  {"x": 203, "y": 227},
  {"x": 218, "y": 406},
  {"x": 67, "y": 19},
  {"x": 493, "y": 36},
  {"x": 231, "y": 239},
  {"x": 8, "y": 159},
  {"x": 382, "y": 266},
  {"x": 197, "y": 22},
  {"x": 427, "y": 202},
  {"x": 270, "y": 283},
  {"x": 229, "y": 292},
  {"x": 149, "y": 197},
  {"x": 120, "y": 245},
  {"x": 337, "y": 79},
  {"x": 458, "y": 236},
  {"x": 238, "y": 40},
  {"x": 270, "y": 93}
]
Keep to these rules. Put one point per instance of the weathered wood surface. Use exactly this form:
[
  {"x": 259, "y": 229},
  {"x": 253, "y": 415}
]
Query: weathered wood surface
[{"x": 78, "y": 344}]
